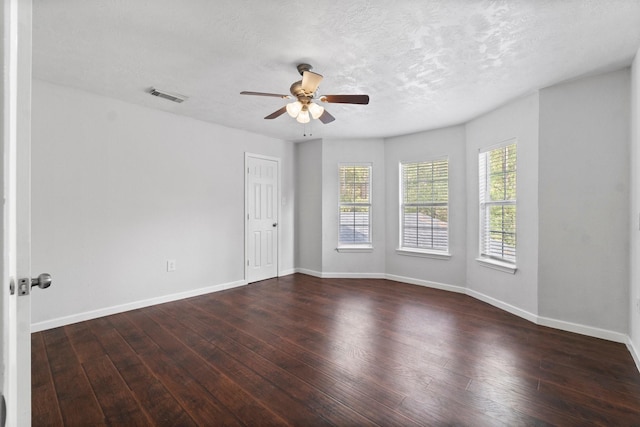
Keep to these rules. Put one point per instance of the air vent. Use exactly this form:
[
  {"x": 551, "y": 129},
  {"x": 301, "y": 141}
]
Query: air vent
[{"x": 166, "y": 95}]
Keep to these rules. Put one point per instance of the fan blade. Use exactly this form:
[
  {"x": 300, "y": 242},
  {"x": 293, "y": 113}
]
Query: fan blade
[
  {"x": 277, "y": 113},
  {"x": 310, "y": 81},
  {"x": 346, "y": 99},
  {"x": 326, "y": 117},
  {"x": 277, "y": 95}
]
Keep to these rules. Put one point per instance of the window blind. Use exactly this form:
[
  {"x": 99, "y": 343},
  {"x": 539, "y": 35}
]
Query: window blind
[
  {"x": 355, "y": 205},
  {"x": 424, "y": 211}
]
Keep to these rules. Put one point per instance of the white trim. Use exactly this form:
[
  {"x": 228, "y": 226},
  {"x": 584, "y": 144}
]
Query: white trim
[
  {"x": 369, "y": 205},
  {"x": 94, "y": 314},
  {"x": 538, "y": 320},
  {"x": 634, "y": 352},
  {"x": 503, "y": 306},
  {"x": 427, "y": 283},
  {"x": 423, "y": 253},
  {"x": 323, "y": 275},
  {"x": 497, "y": 265},
  {"x": 309, "y": 272},
  {"x": 354, "y": 249},
  {"x": 287, "y": 272},
  {"x": 502, "y": 144},
  {"x": 583, "y": 329},
  {"x": 353, "y": 276},
  {"x": 401, "y": 217}
]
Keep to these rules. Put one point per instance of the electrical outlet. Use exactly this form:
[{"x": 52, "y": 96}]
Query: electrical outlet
[{"x": 171, "y": 265}]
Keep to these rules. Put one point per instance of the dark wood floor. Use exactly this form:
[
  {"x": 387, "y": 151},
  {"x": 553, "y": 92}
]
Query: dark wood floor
[{"x": 304, "y": 351}]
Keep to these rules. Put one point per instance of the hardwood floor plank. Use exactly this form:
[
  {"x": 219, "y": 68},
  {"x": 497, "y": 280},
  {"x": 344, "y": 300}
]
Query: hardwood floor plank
[
  {"x": 76, "y": 400},
  {"x": 44, "y": 402},
  {"x": 255, "y": 388},
  {"x": 300, "y": 350},
  {"x": 234, "y": 341},
  {"x": 161, "y": 407},
  {"x": 386, "y": 395},
  {"x": 201, "y": 406},
  {"x": 116, "y": 400},
  {"x": 314, "y": 399}
]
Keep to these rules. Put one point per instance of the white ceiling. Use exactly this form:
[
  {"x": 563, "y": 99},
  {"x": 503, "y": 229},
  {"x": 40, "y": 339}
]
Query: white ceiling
[{"x": 424, "y": 63}]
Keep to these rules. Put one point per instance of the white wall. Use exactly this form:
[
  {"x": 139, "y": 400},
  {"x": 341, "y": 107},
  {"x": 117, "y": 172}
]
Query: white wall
[
  {"x": 518, "y": 119},
  {"x": 309, "y": 206},
  {"x": 584, "y": 201},
  {"x": 634, "y": 233},
  {"x": 422, "y": 146},
  {"x": 350, "y": 264},
  {"x": 119, "y": 189}
]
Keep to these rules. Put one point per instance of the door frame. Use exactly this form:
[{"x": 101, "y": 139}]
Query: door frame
[
  {"x": 247, "y": 156},
  {"x": 15, "y": 126}
]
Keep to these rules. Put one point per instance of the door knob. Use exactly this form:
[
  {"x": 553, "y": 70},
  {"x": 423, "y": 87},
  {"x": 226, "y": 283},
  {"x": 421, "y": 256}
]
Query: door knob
[
  {"x": 275, "y": 224},
  {"x": 43, "y": 281}
]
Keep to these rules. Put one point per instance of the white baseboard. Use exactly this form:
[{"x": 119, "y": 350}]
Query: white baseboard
[
  {"x": 323, "y": 275},
  {"x": 353, "y": 275},
  {"x": 534, "y": 318},
  {"x": 540, "y": 320},
  {"x": 503, "y": 305},
  {"x": 94, "y": 314},
  {"x": 583, "y": 329},
  {"x": 309, "y": 272},
  {"x": 426, "y": 283},
  {"x": 286, "y": 272},
  {"x": 634, "y": 352}
]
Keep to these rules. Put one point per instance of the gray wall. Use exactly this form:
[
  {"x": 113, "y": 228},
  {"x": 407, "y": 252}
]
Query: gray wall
[
  {"x": 448, "y": 142},
  {"x": 353, "y": 264},
  {"x": 584, "y": 201},
  {"x": 309, "y": 206},
  {"x": 119, "y": 189},
  {"x": 518, "y": 119}
]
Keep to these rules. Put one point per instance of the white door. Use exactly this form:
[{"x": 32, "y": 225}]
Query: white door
[
  {"x": 16, "y": 215},
  {"x": 261, "y": 205}
]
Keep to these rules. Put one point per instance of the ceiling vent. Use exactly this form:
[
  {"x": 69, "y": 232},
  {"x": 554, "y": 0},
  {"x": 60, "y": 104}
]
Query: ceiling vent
[{"x": 166, "y": 95}]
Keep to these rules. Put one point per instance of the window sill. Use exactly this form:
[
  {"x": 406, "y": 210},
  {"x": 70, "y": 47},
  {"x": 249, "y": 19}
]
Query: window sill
[
  {"x": 497, "y": 265},
  {"x": 423, "y": 254},
  {"x": 354, "y": 249}
]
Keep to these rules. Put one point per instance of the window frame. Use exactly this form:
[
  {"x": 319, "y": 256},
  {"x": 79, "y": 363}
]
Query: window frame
[
  {"x": 486, "y": 258},
  {"x": 350, "y": 246},
  {"x": 421, "y": 251}
]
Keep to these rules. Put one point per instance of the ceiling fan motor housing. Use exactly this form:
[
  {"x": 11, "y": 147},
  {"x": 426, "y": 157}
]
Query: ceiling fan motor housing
[{"x": 297, "y": 91}]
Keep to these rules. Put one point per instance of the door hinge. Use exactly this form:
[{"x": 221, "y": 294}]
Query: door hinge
[
  {"x": 247, "y": 263},
  {"x": 12, "y": 286}
]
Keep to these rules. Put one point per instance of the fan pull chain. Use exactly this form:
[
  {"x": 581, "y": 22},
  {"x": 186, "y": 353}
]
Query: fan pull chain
[{"x": 310, "y": 130}]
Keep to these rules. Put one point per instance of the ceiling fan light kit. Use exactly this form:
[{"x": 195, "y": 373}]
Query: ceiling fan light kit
[{"x": 303, "y": 109}]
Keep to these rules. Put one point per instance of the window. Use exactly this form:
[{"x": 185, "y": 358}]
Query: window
[
  {"x": 497, "y": 167},
  {"x": 355, "y": 205},
  {"x": 424, "y": 206}
]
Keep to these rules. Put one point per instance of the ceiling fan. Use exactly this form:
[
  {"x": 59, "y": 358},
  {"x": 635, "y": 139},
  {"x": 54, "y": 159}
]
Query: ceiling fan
[{"x": 304, "y": 108}]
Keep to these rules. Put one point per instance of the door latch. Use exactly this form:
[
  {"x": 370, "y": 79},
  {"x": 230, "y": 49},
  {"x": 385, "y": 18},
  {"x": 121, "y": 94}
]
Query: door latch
[{"x": 43, "y": 281}]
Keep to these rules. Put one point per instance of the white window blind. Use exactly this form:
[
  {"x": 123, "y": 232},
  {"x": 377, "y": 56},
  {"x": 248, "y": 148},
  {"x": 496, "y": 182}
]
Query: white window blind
[
  {"x": 497, "y": 176},
  {"x": 424, "y": 210},
  {"x": 355, "y": 205}
]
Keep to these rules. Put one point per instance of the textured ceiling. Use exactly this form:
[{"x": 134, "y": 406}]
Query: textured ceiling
[{"x": 424, "y": 63}]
